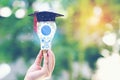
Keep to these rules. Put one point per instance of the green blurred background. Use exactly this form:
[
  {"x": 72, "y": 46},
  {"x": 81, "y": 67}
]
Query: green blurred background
[{"x": 89, "y": 31}]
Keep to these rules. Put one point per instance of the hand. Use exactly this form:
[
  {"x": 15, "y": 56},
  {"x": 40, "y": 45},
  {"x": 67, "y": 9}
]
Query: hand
[{"x": 38, "y": 72}]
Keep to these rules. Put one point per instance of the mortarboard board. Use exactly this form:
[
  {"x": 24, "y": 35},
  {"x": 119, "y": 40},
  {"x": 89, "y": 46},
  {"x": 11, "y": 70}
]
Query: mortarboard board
[{"x": 46, "y": 16}]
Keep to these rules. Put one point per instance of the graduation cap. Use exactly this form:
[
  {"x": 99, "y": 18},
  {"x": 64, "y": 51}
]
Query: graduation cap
[
  {"x": 45, "y": 31},
  {"x": 44, "y": 16}
]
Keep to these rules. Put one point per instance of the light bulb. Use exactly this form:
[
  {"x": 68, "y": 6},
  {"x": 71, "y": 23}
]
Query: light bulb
[{"x": 46, "y": 31}]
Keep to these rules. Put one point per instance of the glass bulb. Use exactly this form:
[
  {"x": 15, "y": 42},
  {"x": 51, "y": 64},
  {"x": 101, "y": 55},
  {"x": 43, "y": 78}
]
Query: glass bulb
[{"x": 46, "y": 31}]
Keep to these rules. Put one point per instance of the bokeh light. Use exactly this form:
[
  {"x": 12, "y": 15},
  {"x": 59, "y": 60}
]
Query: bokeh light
[
  {"x": 5, "y": 11},
  {"x": 20, "y": 13},
  {"x": 94, "y": 20},
  {"x": 19, "y": 3},
  {"x": 108, "y": 67},
  {"x": 118, "y": 41},
  {"x": 97, "y": 11},
  {"x": 4, "y": 70},
  {"x": 109, "y": 39},
  {"x": 105, "y": 52},
  {"x": 39, "y": 6}
]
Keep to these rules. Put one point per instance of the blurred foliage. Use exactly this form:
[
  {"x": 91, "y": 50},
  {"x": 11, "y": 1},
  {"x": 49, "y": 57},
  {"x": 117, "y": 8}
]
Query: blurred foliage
[
  {"x": 92, "y": 53},
  {"x": 71, "y": 42}
]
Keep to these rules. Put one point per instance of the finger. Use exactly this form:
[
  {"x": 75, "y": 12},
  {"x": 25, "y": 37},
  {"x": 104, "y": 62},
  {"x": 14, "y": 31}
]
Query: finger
[
  {"x": 51, "y": 61},
  {"x": 45, "y": 62},
  {"x": 38, "y": 59}
]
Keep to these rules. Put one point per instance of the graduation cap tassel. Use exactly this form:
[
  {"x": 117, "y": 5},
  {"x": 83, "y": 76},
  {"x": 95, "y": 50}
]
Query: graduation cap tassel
[{"x": 35, "y": 23}]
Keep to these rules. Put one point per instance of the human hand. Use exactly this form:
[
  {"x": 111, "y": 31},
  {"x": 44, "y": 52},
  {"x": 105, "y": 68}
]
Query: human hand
[{"x": 38, "y": 72}]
